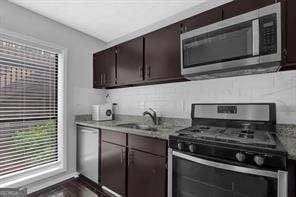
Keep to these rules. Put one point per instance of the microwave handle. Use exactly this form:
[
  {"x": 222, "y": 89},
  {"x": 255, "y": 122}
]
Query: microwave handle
[{"x": 256, "y": 37}]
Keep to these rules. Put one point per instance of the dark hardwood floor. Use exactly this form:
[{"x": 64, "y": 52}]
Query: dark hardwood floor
[{"x": 70, "y": 188}]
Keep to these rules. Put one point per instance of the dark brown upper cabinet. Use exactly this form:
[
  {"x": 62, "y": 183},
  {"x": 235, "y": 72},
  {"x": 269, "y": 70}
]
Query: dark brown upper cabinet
[
  {"x": 238, "y": 7},
  {"x": 98, "y": 64},
  {"x": 291, "y": 32},
  {"x": 104, "y": 68},
  {"x": 130, "y": 62},
  {"x": 156, "y": 57},
  {"x": 146, "y": 174},
  {"x": 203, "y": 19},
  {"x": 162, "y": 54}
]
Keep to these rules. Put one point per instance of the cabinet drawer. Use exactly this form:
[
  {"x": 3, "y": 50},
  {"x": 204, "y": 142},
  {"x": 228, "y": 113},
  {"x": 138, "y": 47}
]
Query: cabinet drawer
[
  {"x": 114, "y": 137},
  {"x": 147, "y": 144}
]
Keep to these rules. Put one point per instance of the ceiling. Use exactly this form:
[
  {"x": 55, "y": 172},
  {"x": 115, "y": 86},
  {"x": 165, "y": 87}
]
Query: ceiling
[{"x": 108, "y": 20}]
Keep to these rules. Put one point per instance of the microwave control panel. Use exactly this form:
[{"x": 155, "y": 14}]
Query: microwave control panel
[{"x": 268, "y": 34}]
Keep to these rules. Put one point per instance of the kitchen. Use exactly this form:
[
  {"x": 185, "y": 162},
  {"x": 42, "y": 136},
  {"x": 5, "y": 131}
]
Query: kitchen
[{"x": 199, "y": 104}]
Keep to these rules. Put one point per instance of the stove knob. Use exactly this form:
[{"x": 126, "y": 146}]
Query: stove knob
[
  {"x": 180, "y": 146},
  {"x": 192, "y": 148},
  {"x": 259, "y": 160},
  {"x": 240, "y": 156}
]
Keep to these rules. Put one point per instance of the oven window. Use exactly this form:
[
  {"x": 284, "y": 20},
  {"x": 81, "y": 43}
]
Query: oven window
[
  {"x": 191, "y": 179},
  {"x": 231, "y": 43}
]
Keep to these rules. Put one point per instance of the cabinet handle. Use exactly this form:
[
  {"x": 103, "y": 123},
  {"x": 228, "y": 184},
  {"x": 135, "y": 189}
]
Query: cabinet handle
[
  {"x": 140, "y": 71},
  {"x": 104, "y": 77},
  {"x": 101, "y": 79},
  {"x": 121, "y": 156},
  {"x": 130, "y": 158},
  {"x": 148, "y": 70}
]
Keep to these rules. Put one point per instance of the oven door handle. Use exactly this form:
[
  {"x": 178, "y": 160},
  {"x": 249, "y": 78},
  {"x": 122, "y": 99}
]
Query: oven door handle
[{"x": 228, "y": 167}]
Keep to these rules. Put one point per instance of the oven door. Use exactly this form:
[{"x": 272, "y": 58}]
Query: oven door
[{"x": 190, "y": 176}]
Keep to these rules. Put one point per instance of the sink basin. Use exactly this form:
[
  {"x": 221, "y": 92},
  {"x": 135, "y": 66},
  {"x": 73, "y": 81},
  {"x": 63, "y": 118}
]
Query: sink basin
[{"x": 138, "y": 126}]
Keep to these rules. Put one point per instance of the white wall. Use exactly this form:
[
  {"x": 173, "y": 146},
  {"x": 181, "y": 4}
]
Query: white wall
[
  {"x": 175, "y": 99},
  {"x": 79, "y": 69}
]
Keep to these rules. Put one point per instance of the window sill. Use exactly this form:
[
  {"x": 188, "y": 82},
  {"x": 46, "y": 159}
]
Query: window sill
[{"x": 32, "y": 175}]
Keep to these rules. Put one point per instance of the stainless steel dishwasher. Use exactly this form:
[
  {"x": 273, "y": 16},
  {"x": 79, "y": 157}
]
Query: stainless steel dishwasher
[{"x": 88, "y": 152}]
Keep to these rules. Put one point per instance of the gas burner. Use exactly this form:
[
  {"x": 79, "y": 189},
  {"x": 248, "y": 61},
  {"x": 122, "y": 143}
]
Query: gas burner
[
  {"x": 197, "y": 131},
  {"x": 229, "y": 135},
  {"x": 185, "y": 135},
  {"x": 204, "y": 127},
  {"x": 247, "y": 132},
  {"x": 222, "y": 131},
  {"x": 246, "y": 136}
]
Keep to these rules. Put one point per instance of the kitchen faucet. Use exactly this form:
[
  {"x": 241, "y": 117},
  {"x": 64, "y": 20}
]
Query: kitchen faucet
[{"x": 152, "y": 115}]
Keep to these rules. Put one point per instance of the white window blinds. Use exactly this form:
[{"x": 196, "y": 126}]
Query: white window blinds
[{"x": 28, "y": 107}]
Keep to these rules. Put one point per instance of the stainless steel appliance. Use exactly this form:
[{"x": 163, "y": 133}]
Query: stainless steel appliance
[
  {"x": 245, "y": 44},
  {"x": 88, "y": 152},
  {"x": 230, "y": 150}
]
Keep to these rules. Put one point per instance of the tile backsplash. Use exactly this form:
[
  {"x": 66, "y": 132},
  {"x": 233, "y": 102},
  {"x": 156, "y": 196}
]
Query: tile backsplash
[{"x": 174, "y": 99}]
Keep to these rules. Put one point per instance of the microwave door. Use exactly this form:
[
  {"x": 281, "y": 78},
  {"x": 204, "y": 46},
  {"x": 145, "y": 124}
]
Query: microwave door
[{"x": 222, "y": 48}]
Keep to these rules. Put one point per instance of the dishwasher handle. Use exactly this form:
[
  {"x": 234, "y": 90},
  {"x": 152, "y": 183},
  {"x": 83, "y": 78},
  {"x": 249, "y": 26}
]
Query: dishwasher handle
[{"x": 87, "y": 130}]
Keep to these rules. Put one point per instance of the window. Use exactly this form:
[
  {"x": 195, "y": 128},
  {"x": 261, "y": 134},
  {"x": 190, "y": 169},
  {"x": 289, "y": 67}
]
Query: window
[{"x": 28, "y": 107}]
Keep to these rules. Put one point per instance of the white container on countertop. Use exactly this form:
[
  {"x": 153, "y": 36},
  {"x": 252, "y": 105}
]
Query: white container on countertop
[{"x": 102, "y": 112}]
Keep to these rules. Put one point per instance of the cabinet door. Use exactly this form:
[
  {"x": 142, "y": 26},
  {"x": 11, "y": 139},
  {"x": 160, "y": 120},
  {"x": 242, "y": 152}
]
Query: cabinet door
[
  {"x": 130, "y": 62},
  {"x": 238, "y": 7},
  {"x": 146, "y": 175},
  {"x": 203, "y": 19},
  {"x": 113, "y": 167},
  {"x": 104, "y": 68},
  {"x": 109, "y": 77},
  {"x": 98, "y": 67},
  {"x": 291, "y": 32},
  {"x": 162, "y": 54}
]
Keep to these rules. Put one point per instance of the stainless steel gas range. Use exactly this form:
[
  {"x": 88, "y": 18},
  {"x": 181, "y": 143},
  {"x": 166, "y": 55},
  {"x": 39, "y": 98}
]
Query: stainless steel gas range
[{"x": 231, "y": 150}]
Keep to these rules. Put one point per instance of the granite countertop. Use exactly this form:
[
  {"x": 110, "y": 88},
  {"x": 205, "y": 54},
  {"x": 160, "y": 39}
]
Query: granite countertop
[
  {"x": 163, "y": 131},
  {"x": 286, "y": 132},
  {"x": 287, "y": 136}
]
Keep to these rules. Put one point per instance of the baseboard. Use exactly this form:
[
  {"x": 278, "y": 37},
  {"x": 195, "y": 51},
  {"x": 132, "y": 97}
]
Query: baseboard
[{"x": 52, "y": 182}]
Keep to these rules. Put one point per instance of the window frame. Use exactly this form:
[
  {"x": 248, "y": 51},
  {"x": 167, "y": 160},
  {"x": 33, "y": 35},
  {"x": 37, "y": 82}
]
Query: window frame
[{"x": 31, "y": 175}]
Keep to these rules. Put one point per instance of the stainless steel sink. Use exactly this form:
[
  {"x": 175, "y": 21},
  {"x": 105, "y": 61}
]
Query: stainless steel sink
[{"x": 138, "y": 126}]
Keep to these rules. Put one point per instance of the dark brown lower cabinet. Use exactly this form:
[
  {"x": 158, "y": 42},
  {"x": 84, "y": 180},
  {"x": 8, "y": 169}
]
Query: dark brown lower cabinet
[
  {"x": 146, "y": 174},
  {"x": 142, "y": 174},
  {"x": 113, "y": 167},
  {"x": 292, "y": 178}
]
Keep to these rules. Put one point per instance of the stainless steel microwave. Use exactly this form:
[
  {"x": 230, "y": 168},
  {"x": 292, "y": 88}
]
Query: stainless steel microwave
[{"x": 246, "y": 44}]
